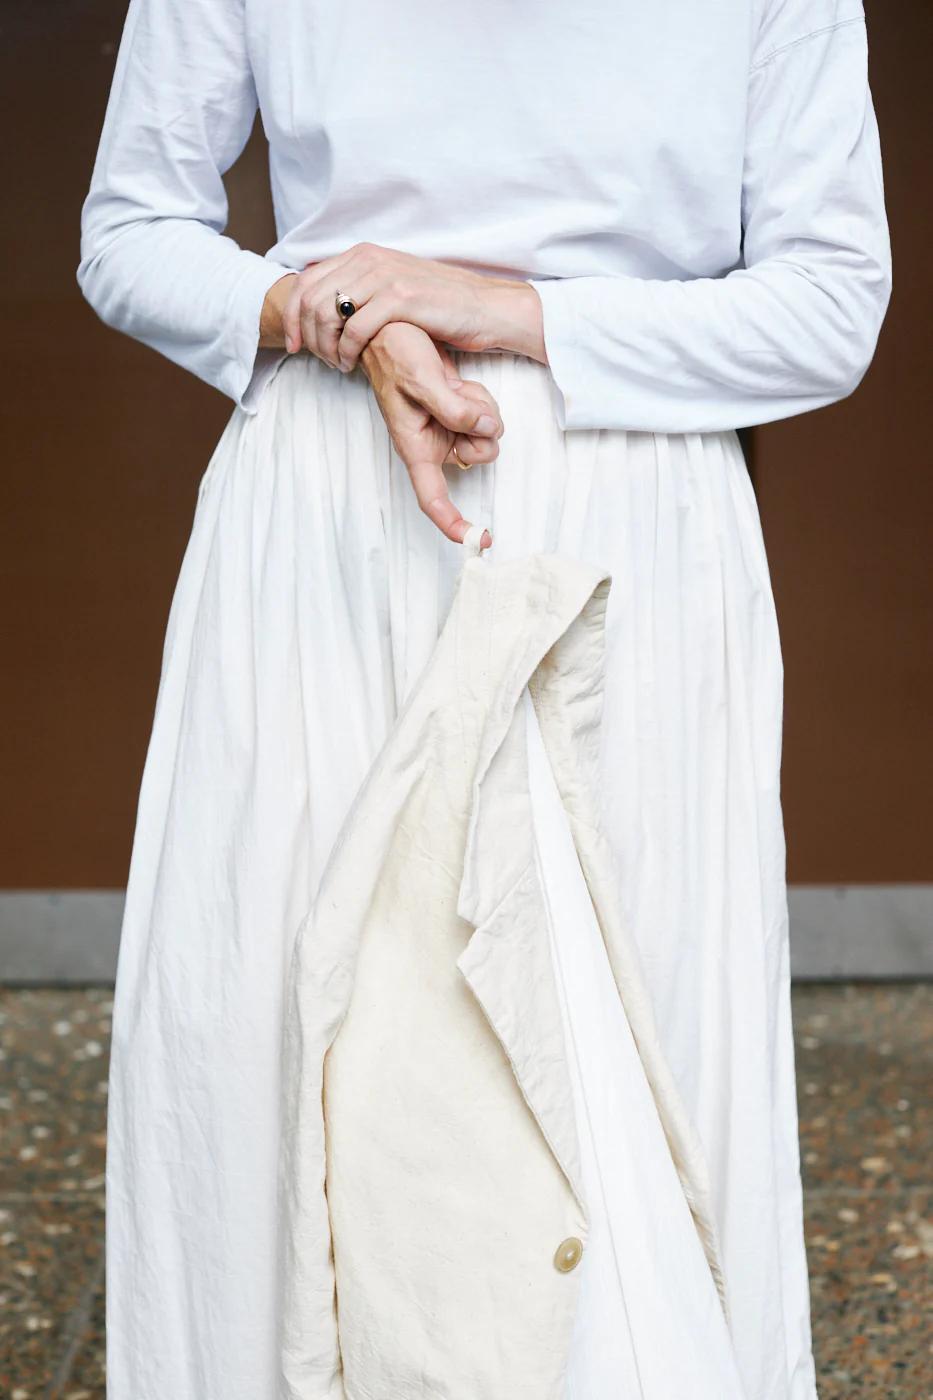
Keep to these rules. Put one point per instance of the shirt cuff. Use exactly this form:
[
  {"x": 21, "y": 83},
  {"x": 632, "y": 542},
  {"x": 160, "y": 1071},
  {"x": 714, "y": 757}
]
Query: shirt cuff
[
  {"x": 561, "y": 342},
  {"x": 252, "y": 365}
]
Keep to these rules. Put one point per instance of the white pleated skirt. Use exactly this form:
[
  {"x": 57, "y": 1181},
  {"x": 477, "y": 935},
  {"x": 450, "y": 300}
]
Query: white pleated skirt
[
  {"x": 310, "y": 596},
  {"x": 649, "y": 1319}
]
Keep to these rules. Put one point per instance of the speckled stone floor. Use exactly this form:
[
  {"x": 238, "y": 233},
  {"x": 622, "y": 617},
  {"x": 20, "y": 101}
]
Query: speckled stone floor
[{"x": 864, "y": 1068}]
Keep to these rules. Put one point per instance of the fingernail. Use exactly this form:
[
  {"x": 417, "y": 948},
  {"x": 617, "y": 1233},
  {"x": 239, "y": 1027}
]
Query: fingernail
[
  {"x": 486, "y": 541},
  {"x": 485, "y": 425}
]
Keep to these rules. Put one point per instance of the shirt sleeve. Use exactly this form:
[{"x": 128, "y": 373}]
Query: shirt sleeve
[
  {"x": 795, "y": 326},
  {"x": 154, "y": 261}
]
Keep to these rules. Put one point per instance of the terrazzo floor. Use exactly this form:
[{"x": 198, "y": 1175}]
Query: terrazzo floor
[{"x": 864, "y": 1069}]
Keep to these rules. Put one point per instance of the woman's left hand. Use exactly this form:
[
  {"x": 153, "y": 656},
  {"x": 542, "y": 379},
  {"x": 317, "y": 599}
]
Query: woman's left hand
[{"x": 466, "y": 310}]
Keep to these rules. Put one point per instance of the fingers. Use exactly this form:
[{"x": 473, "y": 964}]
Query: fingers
[
  {"x": 474, "y": 449},
  {"x": 377, "y": 308},
  {"x": 468, "y": 452},
  {"x": 463, "y": 410},
  {"x": 307, "y": 324},
  {"x": 430, "y": 485},
  {"x": 413, "y": 381},
  {"x": 481, "y": 396},
  {"x": 310, "y": 319},
  {"x": 319, "y": 329},
  {"x": 387, "y": 286}
]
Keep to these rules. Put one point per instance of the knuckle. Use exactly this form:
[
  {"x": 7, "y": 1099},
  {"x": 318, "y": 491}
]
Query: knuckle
[{"x": 369, "y": 253}]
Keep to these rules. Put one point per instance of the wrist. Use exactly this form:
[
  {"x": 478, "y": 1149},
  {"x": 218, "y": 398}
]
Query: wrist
[
  {"x": 271, "y": 331},
  {"x": 515, "y": 319},
  {"x": 381, "y": 356}
]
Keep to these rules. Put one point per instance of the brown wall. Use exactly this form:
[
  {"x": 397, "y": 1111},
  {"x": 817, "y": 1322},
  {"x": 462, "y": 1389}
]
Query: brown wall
[
  {"x": 104, "y": 443},
  {"x": 846, "y": 497}
]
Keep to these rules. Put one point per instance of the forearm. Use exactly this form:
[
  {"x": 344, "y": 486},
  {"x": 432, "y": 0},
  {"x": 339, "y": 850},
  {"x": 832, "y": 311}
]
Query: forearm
[
  {"x": 455, "y": 306},
  {"x": 154, "y": 260},
  {"x": 179, "y": 287},
  {"x": 711, "y": 354},
  {"x": 795, "y": 327},
  {"x": 271, "y": 327},
  {"x": 513, "y": 319}
]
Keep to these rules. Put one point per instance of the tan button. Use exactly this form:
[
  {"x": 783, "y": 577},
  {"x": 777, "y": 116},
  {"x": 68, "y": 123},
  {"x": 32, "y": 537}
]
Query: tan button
[{"x": 569, "y": 1253}]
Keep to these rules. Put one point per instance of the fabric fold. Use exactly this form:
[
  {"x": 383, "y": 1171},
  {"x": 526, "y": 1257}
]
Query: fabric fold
[
  {"x": 307, "y": 612},
  {"x": 429, "y": 1121}
]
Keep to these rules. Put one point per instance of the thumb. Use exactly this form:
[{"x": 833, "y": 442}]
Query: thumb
[{"x": 455, "y": 410}]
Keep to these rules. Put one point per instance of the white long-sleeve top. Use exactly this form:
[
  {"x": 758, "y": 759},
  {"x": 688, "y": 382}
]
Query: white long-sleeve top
[{"x": 695, "y": 190}]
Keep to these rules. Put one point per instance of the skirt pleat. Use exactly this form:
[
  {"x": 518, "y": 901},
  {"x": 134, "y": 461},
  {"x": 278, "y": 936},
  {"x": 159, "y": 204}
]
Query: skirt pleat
[{"x": 310, "y": 596}]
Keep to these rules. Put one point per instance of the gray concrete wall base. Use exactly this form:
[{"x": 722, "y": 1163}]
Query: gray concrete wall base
[
  {"x": 837, "y": 931},
  {"x": 861, "y": 931}
]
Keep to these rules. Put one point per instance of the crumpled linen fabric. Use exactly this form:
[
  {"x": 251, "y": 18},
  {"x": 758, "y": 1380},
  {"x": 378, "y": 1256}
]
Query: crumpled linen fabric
[
  {"x": 445, "y": 1198},
  {"x": 427, "y": 1061},
  {"x": 310, "y": 599}
]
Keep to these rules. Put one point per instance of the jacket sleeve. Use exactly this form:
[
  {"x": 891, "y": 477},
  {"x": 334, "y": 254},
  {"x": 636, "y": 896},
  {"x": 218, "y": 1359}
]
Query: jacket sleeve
[
  {"x": 795, "y": 327},
  {"x": 154, "y": 260}
]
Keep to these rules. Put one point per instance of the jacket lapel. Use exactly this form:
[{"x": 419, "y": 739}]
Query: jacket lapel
[
  {"x": 506, "y": 632},
  {"x": 548, "y": 635}
]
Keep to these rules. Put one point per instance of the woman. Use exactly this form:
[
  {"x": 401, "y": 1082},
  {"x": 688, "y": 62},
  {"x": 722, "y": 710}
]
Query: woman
[{"x": 573, "y": 250}]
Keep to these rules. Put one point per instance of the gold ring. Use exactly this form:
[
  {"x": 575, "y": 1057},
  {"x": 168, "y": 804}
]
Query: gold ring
[{"x": 464, "y": 466}]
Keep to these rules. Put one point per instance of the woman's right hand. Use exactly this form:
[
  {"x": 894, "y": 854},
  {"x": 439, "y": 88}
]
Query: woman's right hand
[{"x": 429, "y": 410}]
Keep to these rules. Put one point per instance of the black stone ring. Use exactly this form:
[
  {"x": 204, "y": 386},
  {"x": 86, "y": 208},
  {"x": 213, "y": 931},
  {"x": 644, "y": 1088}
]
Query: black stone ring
[{"x": 345, "y": 306}]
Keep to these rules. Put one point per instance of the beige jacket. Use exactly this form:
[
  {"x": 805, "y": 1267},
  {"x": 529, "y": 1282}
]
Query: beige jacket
[{"x": 432, "y": 1209}]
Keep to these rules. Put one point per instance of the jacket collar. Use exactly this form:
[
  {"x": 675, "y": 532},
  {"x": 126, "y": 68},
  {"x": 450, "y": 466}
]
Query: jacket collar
[{"x": 540, "y": 623}]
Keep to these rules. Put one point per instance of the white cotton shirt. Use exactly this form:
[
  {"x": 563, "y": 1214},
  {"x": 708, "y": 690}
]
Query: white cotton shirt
[{"x": 694, "y": 190}]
